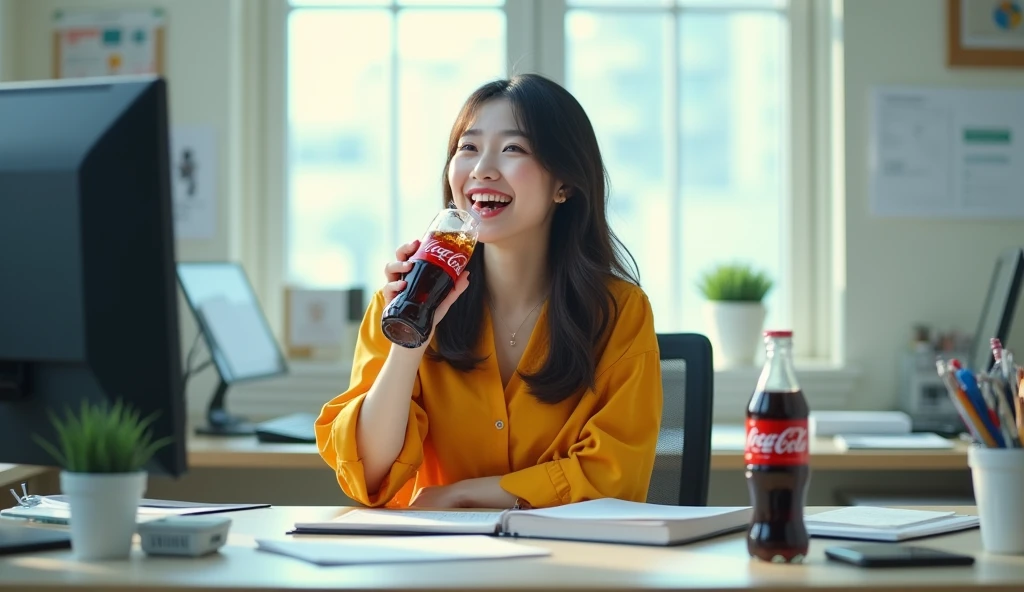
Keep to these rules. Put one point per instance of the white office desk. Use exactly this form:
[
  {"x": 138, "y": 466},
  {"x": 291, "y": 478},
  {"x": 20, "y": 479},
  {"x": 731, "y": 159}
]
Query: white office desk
[{"x": 719, "y": 564}]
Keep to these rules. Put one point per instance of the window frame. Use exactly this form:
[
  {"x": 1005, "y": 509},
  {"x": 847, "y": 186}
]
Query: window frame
[{"x": 811, "y": 159}]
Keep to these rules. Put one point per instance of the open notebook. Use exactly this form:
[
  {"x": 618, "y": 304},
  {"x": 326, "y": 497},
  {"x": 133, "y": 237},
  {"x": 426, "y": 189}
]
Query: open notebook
[
  {"x": 885, "y": 524},
  {"x": 604, "y": 520}
]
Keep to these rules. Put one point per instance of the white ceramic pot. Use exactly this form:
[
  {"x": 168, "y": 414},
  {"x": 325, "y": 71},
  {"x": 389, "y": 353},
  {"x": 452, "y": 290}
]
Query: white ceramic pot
[
  {"x": 103, "y": 512},
  {"x": 734, "y": 329}
]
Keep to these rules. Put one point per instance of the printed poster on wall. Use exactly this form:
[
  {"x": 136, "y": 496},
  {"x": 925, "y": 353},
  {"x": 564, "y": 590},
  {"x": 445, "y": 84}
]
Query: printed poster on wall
[
  {"x": 194, "y": 181},
  {"x": 108, "y": 42}
]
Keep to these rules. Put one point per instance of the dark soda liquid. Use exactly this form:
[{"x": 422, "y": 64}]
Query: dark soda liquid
[
  {"x": 779, "y": 493},
  {"x": 408, "y": 318}
]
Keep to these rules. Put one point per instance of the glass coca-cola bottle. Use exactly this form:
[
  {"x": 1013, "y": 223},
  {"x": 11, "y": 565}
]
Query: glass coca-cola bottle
[
  {"x": 441, "y": 257},
  {"x": 776, "y": 456}
]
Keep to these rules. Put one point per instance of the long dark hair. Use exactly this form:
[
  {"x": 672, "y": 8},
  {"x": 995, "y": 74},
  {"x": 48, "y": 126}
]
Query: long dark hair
[{"x": 583, "y": 252}]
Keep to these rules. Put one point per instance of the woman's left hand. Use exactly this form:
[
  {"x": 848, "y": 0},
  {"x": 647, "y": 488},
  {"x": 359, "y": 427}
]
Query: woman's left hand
[
  {"x": 484, "y": 492},
  {"x": 442, "y": 496}
]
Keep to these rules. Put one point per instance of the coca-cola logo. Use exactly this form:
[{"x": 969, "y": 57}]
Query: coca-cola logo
[
  {"x": 777, "y": 442},
  {"x": 792, "y": 440},
  {"x": 456, "y": 260}
]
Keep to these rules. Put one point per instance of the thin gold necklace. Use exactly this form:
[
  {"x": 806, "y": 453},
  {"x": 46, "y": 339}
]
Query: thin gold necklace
[{"x": 512, "y": 339}]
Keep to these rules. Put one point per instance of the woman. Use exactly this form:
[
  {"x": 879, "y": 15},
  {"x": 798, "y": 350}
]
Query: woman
[{"x": 541, "y": 382}]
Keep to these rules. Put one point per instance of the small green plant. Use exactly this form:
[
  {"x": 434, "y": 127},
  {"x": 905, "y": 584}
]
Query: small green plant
[
  {"x": 735, "y": 283},
  {"x": 102, "y": 439}
]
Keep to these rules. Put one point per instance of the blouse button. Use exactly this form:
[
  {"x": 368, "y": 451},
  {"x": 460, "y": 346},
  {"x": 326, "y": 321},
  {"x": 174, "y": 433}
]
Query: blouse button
[{"x": 499, "y": 424}]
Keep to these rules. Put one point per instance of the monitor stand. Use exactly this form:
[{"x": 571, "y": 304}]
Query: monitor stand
[{"x": 222, "y": 423}]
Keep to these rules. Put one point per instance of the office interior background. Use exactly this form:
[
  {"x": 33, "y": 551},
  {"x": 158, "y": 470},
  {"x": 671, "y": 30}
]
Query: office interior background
[{"x": 733, "y": 130}]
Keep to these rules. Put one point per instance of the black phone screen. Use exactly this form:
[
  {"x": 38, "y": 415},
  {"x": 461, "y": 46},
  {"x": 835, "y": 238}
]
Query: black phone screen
[{"x": 894, "y": 555}]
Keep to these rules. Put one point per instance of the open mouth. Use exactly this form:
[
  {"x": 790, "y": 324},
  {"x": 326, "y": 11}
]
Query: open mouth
[{"x": 489, "y": 202}]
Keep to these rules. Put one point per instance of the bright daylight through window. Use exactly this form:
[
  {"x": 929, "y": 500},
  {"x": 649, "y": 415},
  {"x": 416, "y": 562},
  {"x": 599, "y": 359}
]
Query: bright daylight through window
[{"x": 689, "y": 100}]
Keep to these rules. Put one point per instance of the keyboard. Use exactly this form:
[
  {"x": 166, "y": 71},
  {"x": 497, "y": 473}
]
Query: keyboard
[{"x": 296, "y": 428}]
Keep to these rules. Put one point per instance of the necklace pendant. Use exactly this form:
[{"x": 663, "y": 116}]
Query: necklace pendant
[{"x": 512, "y": 342}]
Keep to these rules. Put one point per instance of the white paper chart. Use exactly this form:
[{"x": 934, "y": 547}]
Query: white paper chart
[{"x": 947, "y": 153}]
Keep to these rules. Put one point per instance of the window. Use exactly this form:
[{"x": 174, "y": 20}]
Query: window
[
  {"x": 691, "y": 101},
  {"x": 373, "y": 88},
  {"x": 688, "y": 102}
]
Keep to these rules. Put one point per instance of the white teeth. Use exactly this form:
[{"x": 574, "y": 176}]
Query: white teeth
[{"x": 491, "y": 197}]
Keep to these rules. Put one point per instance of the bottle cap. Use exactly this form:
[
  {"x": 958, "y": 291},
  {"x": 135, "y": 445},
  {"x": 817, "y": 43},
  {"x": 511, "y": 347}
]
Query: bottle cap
[{"x": 778, "y": 333}]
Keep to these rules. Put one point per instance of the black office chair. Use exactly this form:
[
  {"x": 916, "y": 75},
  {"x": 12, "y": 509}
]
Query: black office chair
[{"x": 684, "y": 442}]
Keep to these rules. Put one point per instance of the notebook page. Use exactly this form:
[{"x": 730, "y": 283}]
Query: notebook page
[
  {"x": 416, "y": 518},
  {"x": 614, "y": 509},
  {"x": 873, "y": 517}
]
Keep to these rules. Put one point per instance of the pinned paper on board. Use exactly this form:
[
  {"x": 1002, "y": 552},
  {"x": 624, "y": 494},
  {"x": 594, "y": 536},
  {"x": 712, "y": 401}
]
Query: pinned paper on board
[
  {"x": 947, "y": 153},
  {"x": 108, "y": 42},
  {"x": 194, "y": 181}
]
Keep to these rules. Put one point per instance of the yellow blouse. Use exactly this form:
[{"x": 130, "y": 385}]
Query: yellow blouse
[{"x": 463, "y": 425}]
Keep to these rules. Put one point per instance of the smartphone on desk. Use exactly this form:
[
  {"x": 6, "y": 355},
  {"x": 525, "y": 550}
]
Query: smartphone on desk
[{"x": 895, "y": 555}]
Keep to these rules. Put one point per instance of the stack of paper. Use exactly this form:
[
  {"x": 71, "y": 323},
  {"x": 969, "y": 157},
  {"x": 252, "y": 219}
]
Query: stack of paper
[
  {"x": 885, "y": 524},
  {"x": 918, "y": 441}
]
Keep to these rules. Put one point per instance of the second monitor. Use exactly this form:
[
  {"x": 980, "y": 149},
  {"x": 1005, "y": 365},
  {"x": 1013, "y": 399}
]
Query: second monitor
[{"x": 242, "y": 346}]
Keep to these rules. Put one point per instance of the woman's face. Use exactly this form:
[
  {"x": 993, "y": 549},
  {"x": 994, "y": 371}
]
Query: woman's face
[{"x": 494, "y": 172}]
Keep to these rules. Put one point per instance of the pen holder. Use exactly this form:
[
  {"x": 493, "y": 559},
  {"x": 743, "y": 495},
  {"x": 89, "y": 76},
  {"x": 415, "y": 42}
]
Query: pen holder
[{"x": 998, "y": 476}]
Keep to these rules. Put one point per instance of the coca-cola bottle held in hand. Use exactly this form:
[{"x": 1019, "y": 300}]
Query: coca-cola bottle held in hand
[
  {"x": 443, "y": 254},
  {"x": 776, "y": 456}
]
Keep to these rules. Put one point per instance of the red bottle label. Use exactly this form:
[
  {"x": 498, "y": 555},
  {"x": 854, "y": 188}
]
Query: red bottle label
[
  {"x": 445, "y": 254},
  {"x": 776, "y": 442}
]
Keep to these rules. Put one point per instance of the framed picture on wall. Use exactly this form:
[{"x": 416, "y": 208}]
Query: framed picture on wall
[{"x": 985, "y": 33}]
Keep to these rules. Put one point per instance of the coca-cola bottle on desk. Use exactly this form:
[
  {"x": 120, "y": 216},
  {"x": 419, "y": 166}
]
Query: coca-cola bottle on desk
[
  {"x": 441, "y": 257},
  {"x": 776, "y": 457}
]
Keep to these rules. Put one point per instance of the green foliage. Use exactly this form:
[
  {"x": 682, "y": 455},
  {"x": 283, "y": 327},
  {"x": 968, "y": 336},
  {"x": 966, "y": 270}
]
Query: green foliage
[
  {"x": 734, "y": 283},
  {"x": 102, "y": 439}
]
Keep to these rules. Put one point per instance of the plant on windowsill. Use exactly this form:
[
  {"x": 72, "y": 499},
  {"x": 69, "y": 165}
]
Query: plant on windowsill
[
  {"x": 102, "y": 452},
  {"x": 734, "y": 312}
]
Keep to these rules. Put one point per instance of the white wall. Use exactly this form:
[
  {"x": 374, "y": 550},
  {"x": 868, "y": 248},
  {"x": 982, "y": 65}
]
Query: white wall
[
  {"x": 892, "y": 277},
  {"x": 6, "y": 40}
]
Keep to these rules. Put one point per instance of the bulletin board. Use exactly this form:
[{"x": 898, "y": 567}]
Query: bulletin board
[{"x": 108, "y": 42}]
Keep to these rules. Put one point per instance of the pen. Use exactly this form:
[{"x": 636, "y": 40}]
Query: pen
[
  {"x": 985, "y": 414},
  {"x": 962, "y": 405},
  {"x": 1007, "y": 425}
]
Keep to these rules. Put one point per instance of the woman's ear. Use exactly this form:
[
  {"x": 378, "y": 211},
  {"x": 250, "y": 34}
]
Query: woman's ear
[{"x": 562, "y": 195}]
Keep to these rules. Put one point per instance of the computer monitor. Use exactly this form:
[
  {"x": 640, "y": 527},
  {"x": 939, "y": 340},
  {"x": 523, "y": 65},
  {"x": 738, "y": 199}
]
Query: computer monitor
[
  {"x": 242, "y": 346},
  {"x": 88, "y": 305},
  {"x": 998, "y": 314}
]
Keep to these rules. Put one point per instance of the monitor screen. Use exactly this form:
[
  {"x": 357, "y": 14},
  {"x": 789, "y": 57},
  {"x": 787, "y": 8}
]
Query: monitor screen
[
  {"x": 998, "y": 318},
  {"x": 241, "y": 343}
]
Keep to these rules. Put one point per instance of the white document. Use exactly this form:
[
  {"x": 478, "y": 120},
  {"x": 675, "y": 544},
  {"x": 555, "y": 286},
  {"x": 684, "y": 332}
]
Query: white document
[
  {"x": 947, "y": 153},
  {"x": 873, "y": 517},
  {"x": 885, "y": 524},
  {"x": 194, "y": 181},
  {"x": 399, "y": 549}
]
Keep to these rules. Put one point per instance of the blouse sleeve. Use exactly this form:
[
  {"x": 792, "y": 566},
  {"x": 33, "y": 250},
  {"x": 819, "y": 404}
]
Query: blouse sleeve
[
  {"x": 336, "y": 426},
  {"x": 614, "y": 455}
]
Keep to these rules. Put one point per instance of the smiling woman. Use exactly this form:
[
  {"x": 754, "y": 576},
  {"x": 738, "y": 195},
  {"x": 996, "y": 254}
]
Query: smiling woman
[{"x": 571, "y": 415}]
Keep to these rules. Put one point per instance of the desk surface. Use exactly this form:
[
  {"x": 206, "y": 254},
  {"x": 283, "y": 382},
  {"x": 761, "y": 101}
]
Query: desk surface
[
  {"x": 727, "y": 454},
  {"x": 719, "y": 564}
]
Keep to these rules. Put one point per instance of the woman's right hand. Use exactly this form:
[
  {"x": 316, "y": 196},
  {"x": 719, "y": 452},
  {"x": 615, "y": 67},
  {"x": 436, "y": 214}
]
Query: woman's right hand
[
  {"x": 396, "y": 269},
  {"x": 395, "y": 284}
]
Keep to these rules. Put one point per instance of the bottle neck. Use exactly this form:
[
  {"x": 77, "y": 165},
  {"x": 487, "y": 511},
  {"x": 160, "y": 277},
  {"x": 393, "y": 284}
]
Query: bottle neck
[{"x": 778, "y": 373}]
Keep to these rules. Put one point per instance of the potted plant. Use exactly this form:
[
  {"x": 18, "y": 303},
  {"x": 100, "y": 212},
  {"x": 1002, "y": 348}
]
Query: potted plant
[
  {"x": 734, "y": 311},
  {"x": 102, "y": 453}
]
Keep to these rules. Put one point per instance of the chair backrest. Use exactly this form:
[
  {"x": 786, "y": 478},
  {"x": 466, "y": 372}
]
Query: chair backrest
[{"x": 681, "y": 470}]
